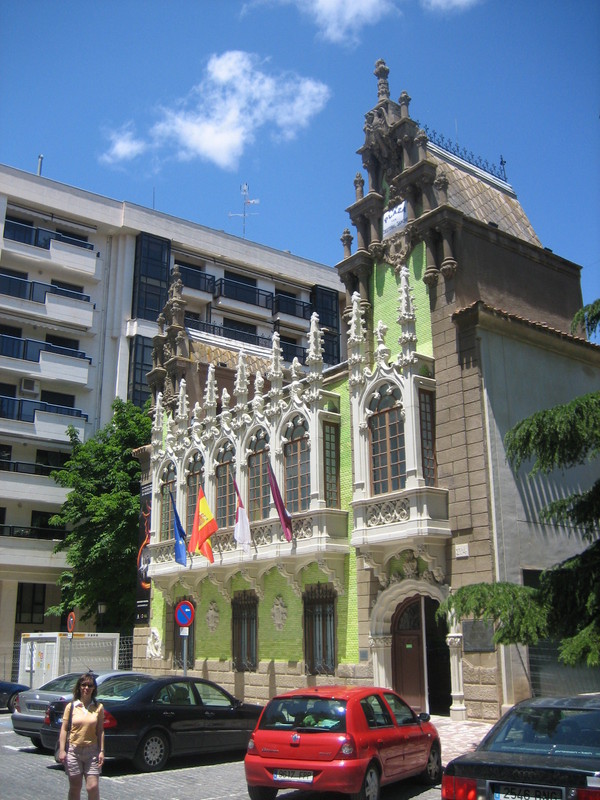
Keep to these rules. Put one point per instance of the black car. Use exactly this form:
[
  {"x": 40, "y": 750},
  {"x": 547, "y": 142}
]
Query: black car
[
  {"x": 9, "y": 692},
  {"x": 169, "y": 716},
  {"x": 542, "y": 749}
]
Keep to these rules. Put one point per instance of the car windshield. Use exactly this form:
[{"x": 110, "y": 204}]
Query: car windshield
[
  {"x": 548, "y": 731},
  {"x": 306, "y": 713},
  {"x": 121, "y": 687},
  {"x": 66, "y": 683}
]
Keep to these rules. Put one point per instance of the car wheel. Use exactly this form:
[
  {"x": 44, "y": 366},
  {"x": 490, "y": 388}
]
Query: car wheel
[
  {"x": 432, "y": 773},
  {"x": 261, "y": 792},
  {"x": 152, "y": 753},
  {"x": 12, "y": 703},
  {"x": 36, "y": 742},
  {"x": 370, "y": 785}
]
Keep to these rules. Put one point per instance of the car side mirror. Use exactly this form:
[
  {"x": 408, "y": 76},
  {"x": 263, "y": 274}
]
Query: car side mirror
[{"x": 424, "y": 716}]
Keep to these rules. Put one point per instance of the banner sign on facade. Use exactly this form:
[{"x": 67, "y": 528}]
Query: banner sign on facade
[
  {"x": 142, "y": 606},
  {"x": 394, "y": 219}
]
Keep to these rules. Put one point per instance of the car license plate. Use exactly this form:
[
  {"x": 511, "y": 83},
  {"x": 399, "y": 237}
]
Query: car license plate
[
  {"x": 302, "y": 776},
  {"x": 513, "y": 792},
  {"x": 37, "y": 706}
]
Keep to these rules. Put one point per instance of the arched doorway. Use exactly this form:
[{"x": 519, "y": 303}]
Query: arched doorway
[{"x": 420, "y": 656}]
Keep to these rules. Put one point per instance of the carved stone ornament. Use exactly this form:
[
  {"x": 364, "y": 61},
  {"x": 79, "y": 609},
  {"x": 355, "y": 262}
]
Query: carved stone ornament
[
  {"x": 213, "y": 616},
  {"x": 154, "y": 644},
  {"x": 279, "y": 613}
]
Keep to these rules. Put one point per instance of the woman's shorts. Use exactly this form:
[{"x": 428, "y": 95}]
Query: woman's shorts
[{"x": 82, "y": 760}]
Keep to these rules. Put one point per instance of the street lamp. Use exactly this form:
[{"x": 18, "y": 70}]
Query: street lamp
[{"x": 101, "y": 612}]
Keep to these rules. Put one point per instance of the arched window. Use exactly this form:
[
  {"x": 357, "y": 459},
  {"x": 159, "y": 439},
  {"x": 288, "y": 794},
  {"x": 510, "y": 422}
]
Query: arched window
[
  {"x": 259, "y": 492},
  {"x": 167, "y": 484},
  {"x": 194, "y": 482},
  {"x": 296, "y": 456},
  {"x": 225, "y": 492},
  {"x": 386, "y": 428},
  {"x": 244, "y": 608}
]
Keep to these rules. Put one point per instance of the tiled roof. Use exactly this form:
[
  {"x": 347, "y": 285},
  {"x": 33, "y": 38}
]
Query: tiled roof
[
  {"x": 486, "y": 201},
  {"x": 479, "y": 305}
]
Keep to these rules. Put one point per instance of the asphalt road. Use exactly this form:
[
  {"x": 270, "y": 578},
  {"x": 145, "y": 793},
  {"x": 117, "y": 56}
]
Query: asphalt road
[{"x": 27, "y": 773}]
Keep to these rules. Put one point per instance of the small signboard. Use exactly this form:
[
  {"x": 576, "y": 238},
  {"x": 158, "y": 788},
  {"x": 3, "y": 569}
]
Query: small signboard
[
  {"x": 184, "y": 614},
  {"x": 71, "y": 622},
  {"x": 478, "y": 636}
]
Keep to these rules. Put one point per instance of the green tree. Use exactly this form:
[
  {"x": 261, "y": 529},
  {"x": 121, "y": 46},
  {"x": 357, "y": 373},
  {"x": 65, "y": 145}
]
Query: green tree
[
  {"x": 567, "y": 601},
  {"x": 101, "y": 513}
]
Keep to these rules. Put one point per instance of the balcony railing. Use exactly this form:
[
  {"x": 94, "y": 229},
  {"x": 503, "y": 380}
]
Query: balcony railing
[
  {"x": 291, "y": 351},
  {"x": 26, "y": 468},
  {"x": 194, "y": 279},
  {"x": 18, "y": 408},
  {"x": 31, "y": 532},
  {"x": 291, "y": 307},
  {"x": 243, "y": 293},
  {"x": 35, "y": 291},
  {"x": 230, "y": 333},
  {"x": 30, "y": 349},
  {"x": 39, "y": 237}
]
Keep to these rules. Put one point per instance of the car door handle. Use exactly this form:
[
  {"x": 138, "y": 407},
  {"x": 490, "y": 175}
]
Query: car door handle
[
  {"x": 209, "y": 713},
  {"x": 168, "y": 713}
]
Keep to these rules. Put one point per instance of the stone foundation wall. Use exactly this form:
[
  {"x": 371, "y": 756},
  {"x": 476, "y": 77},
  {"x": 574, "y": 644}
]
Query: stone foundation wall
[{"x": 481, "y": 687}]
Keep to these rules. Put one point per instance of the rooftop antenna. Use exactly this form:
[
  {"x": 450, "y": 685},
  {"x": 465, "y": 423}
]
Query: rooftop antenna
[
  {"x": 246, "y": 202},
  {"x": 40, "y": 159}
]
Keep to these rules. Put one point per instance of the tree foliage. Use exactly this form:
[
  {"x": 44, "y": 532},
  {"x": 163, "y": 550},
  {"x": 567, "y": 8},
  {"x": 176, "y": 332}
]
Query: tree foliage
[
  {"x": 567, "y": 602},
  {"x": 101, "y": 513}
]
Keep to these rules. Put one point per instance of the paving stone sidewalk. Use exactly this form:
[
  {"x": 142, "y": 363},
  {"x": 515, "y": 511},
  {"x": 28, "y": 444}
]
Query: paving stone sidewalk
[{"x": 458, "y": 737}]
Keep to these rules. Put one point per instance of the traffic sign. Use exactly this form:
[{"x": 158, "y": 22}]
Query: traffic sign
[
  {"x": 184, "y": 613},
  {"x": 71, "y": 622}
]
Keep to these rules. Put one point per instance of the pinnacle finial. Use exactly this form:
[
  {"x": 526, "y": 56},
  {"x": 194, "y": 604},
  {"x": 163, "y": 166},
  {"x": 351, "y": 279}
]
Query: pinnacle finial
[{"x": 381, "y": 73}]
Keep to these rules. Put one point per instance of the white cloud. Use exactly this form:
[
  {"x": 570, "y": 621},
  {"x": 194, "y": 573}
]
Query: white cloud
[
  {"x": 448, "y": 5},
  {"x": 338, "y": 21},
  {"x": 124, "y": 146},
  {"x": 224, "y": 113}
]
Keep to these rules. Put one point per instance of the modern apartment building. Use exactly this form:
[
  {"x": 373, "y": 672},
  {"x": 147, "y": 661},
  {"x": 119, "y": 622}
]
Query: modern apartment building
[{"x": 83, "y": 279}]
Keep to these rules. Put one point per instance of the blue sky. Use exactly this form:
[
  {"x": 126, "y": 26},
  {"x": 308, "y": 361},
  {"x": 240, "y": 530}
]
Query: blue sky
[{"x": 177, "y": 104}]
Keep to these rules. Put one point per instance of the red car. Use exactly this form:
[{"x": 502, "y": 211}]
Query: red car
[{"x": 346, "y": 739}]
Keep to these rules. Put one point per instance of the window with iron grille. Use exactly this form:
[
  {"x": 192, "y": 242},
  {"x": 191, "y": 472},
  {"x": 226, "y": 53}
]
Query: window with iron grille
[
  {"x": 194, "y": 482},
  {"x": 386, "y": 429},
  {"x": 319, "y": 629},
  {"x": 167, "y": 485},
  {"x": 427, "y": 415},
  {"x": 244, "y": 607},
  {"x": 226, "y": 500},
  {"x": 331, "y": 471},
  {"x": 259, "y": 492},
  {"x": 296, "y": 456}
]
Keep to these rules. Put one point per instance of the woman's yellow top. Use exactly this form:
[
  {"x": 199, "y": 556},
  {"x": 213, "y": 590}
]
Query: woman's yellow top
[{"x": 84, "y": 725}]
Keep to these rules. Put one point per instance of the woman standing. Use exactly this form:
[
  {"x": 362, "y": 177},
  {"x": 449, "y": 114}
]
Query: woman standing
[{"x": 81, "y": 742}]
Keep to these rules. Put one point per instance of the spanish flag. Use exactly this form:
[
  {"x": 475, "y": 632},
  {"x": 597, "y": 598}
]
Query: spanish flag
[{"x": 202, "y": 529}]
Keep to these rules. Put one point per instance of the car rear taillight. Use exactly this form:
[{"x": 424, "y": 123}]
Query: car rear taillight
[
  {"x": 109, "y": 720},
  {"x": 47, "y": 717},
  {"x": 588, "y": 794},
  {"x": 251, "y": 745},
  {"x": 347, "y": 747},
  {"x": 458, "y": 788}
]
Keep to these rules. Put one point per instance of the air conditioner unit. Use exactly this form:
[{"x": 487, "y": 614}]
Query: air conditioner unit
[{"x": 30, "y": 386}]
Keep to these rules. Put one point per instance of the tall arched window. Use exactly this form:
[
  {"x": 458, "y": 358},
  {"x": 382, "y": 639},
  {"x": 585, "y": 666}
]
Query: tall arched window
[
  {"x": 167, "y": 484},
  {"x": 225, "y": 492},
  {"x": 319, "y": 629},
  {"x": 259, "y": 492},
  {"x": 386, "y": 428},
  {"x": 296, "y": 456},
  {"x": 194, "y": 482}
]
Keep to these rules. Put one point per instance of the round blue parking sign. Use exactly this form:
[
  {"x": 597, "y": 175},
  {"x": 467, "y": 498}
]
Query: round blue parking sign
[{"x": 184, "y": 614}]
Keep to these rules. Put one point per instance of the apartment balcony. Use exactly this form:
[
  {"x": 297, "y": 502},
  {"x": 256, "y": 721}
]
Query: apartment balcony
[
  {"x": 318, "y": 536},
  {"x": 53, "y": 362},
  {"x": 239, "y": 298},
  {"x": 28, "y": 245},
  {"x": 29, "y": 553},
  {"x": 222, "y": 331},
  {"x": 197, "y": 286},
  {"x": 45, "y": 303},
  {"x": 22, "y": 481},
  {"x": 34, "y": 419},
  {"x": 288, "y": 312},
  {"x": 27, "y": 532}
]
